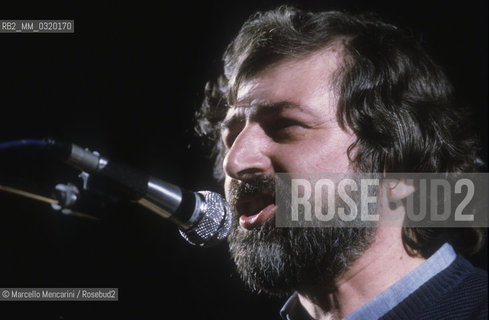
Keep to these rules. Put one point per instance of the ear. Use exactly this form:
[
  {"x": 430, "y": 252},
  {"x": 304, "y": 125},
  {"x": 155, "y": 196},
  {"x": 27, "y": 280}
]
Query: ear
[{"x": 399, "y": 189}]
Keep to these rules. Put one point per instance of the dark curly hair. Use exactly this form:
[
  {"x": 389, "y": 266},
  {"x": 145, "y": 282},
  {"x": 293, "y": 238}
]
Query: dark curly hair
[{"x": 392, "y": 95}]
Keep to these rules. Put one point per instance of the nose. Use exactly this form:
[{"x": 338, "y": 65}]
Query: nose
[{"x": 249, "y": 154}]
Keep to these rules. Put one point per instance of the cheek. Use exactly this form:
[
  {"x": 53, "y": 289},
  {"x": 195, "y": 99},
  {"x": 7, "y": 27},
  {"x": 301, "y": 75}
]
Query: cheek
[
  {"x": 335, "y": 156},
  {"x": 318, "y": 155}
]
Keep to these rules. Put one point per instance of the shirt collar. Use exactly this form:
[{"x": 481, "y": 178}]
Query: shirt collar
[
  {"x": 389, "y": 298},
  {"x": 293, "y": 310}
]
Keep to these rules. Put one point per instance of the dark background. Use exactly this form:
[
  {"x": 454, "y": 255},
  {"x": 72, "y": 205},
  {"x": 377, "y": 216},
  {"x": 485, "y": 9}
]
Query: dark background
[{"x": 127, "y": 84}]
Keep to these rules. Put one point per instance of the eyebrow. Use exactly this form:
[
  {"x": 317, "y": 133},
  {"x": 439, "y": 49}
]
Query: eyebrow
[{"x": 264, "y": 108}]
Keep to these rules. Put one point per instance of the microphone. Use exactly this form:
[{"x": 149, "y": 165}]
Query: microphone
[{"x": 204, "y": 217}]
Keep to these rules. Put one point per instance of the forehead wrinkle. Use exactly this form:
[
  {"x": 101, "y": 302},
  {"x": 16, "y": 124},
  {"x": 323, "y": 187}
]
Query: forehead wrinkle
[
  {"x": 269, "y": 105},
  {"x": 258, "y": 108}
]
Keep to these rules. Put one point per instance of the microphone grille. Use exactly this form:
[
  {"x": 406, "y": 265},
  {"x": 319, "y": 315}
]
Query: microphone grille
[{"x": 215, "y": 222}]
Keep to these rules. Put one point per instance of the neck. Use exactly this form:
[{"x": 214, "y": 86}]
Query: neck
[{"x": 362, "y": 281}]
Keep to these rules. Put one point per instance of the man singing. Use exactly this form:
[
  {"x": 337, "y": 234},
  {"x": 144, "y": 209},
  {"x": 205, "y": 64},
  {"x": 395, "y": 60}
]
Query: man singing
[{"x": 333, "y": 92}]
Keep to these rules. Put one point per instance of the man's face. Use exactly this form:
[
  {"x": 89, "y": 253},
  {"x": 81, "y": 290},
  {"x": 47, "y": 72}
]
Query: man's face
[{"x": 285, "y": 121}]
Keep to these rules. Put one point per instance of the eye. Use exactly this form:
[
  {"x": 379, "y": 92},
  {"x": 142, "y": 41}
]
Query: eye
[
  {"x": 282, "y": 129},
  {"x": 283, "y": 123}
]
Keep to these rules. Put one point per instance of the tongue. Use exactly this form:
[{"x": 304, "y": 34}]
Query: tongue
[{"x": 253, "y": 221}]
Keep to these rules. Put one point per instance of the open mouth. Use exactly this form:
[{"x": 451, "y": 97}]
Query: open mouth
[{"x": 255, "y": 209}]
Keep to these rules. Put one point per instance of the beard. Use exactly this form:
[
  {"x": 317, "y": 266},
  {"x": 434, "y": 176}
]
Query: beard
[{"x": 279, "y": 261}]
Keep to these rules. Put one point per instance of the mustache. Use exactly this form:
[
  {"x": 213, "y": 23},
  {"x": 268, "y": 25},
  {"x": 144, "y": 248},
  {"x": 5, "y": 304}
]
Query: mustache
[{"x": 257, "y": 184}]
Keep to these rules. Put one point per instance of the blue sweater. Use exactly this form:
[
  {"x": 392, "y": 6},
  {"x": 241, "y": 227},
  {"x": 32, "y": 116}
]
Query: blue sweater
[{"x": 459, "y": 292}]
